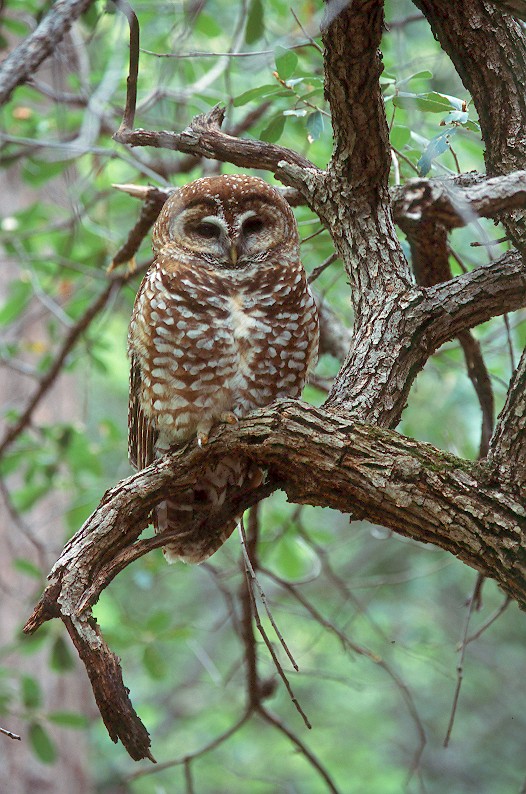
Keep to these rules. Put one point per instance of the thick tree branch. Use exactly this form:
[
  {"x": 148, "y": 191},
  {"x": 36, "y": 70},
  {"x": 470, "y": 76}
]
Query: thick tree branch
[
  {"x": 353, "y": 199},
  {"x": 489, "y": 53},
  {"x": 508, "y": 445},
  {"x": 27, "y": 57},
  {"x": 452, "y": 203},
  {"x": 351, "y": 36},
  {"x": 516, "y": 8},
  {"x": 391, "y": 347},
  {"x": 319, "y": 459}
]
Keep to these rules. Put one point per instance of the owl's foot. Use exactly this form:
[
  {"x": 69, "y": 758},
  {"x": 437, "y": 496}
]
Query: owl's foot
[
  {"x": 229, "y": 418},
  {"x": 203, "y": 430}
]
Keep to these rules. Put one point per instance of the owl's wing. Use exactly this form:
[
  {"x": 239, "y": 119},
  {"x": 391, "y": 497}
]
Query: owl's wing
[{"x": 141, "y": 433}]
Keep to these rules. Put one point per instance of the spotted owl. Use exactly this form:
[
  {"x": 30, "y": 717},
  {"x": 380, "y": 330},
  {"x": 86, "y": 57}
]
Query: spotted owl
[{"x": 223, "y": 323}]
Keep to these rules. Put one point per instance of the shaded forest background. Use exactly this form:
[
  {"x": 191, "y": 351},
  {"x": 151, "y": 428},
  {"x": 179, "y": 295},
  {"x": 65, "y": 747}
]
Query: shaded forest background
[{"x": 378, "y": 624}]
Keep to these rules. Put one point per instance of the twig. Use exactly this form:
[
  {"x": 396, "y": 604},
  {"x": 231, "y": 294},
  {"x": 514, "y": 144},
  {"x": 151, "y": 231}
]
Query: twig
[
  {"x": 498, "y": 612},
  {"x": 460, "y": 666},
  {"x": 480, "y": 378},
  {"x": 11, "y": 735},
  {"x": 316, "y": 273},
  {"x": 128, "y": 117},
  {"x": 307, "y": 36},
  {"x": 349, "y": 644},
  {"x": 262, "y": 595},
  {"x": 247, "y": 627},
  {"x": 272, "y": 652},
  {"x": 304, "y": 750},
  {"x": 191, "y": 756},
  {"x": 188, "y": 776},
  {"x": 509, "y": 341},
  {"x": 149, "y": 212}
]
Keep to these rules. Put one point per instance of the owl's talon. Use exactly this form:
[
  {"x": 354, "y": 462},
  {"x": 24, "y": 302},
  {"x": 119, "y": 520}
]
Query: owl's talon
[
  {"x": 229, "y": 418},
  {"x": 202, "y": 439}
]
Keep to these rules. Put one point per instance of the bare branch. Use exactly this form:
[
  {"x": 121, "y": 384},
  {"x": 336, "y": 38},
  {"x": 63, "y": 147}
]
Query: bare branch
[
  {"x": 27, "y": 57},
  {"x": 11, "y": 735},
  {"x": 452, "y": 204},
  {"x": 203, "y": 138},
  {"x": 133, "y": 70}
]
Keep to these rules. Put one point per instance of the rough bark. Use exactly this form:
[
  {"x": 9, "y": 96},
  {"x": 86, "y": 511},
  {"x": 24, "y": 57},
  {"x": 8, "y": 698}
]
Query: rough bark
[
  {"x": 329, "y": 456},
  {"x": 329, "y": 461},
  {"x": 28, "y": 56},
  {"x": 489, "y": 53}
]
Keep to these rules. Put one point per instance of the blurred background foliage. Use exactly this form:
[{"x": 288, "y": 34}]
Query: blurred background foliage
[{"x": 374, "y": 621}]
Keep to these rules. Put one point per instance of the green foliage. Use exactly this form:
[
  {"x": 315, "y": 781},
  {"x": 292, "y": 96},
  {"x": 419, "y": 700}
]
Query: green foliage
[{"x": 386, "y": 614}]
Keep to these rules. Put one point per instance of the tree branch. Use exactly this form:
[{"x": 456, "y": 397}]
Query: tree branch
[
  {"x": 378, "y": 475},
  {"x": 508, "y": 445},
  {"x": 390, "y": 349},
  {"x": 204, "y": 138},
  {"x": 452, "y": 203},
  {"x": 27, "y": 57},
  {"x": 488, "y": 51}
]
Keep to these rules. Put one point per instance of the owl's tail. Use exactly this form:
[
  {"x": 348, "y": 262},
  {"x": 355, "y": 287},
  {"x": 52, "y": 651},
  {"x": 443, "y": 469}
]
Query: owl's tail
[{"x": 213, "y": 489}]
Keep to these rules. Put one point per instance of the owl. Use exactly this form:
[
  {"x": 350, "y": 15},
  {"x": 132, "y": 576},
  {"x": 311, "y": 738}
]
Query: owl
[{"x": 223, "y": 323}]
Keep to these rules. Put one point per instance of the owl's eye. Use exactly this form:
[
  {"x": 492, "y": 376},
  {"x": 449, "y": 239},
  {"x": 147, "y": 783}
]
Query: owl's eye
[
  {"x": 207, "y": 230},
  {"x": 252, "y": 226}
]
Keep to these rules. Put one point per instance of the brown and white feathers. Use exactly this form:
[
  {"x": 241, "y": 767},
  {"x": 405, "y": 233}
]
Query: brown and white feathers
[{"x": 223, "y": 323}]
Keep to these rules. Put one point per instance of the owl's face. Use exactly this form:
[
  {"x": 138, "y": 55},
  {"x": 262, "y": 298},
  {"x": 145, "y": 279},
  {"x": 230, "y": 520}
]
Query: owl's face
[{"x": 227, "y": 221}]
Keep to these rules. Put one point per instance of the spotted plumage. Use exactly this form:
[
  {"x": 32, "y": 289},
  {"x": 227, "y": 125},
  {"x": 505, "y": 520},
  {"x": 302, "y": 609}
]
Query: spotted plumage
[{"x": 223, "y": 323}]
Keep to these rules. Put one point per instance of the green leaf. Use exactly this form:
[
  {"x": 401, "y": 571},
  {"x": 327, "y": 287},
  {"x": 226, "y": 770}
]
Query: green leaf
[
  {"x": 41, "y": 743},
  {"x": 315, "y": 126},
  {"x": 31, "y": 692},
  {"x": 425, "y": 74},
  {"x": 20, "y": 293},
  {"x": 27, "y": 567},
  {"x": 456, "y": 117},
  {"x": 474, "y": 126},
  {"x": 61, "y": 658},
  {"x": 286, "y": 62},
  {"x": 256, "y": 93},
  {"x": 400, "y": 136},
  {"x": 274, "y": 130},
  {"x": 255, "y": 22},
  {"x": 431, "y": 102},
  {"x": 154, "y": 662},
  {"x": 437, "y": 146},
  {"x": 208, "y": 25},
  {"x": 68, "y": 719},
  {"x": 293, "y": 560}
]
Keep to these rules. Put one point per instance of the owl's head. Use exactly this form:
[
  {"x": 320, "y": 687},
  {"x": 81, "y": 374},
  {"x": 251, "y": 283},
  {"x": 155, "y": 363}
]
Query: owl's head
[{"x": 228, "y": 221}]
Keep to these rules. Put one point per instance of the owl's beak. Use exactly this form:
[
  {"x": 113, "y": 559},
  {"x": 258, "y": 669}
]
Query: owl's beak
[{"x": 233, "y": 254}]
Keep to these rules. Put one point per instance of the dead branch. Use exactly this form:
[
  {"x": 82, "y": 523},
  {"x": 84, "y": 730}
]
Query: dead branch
[
  {"x": 203, "y": 138},
  {"x": 27, "y": 57}
]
